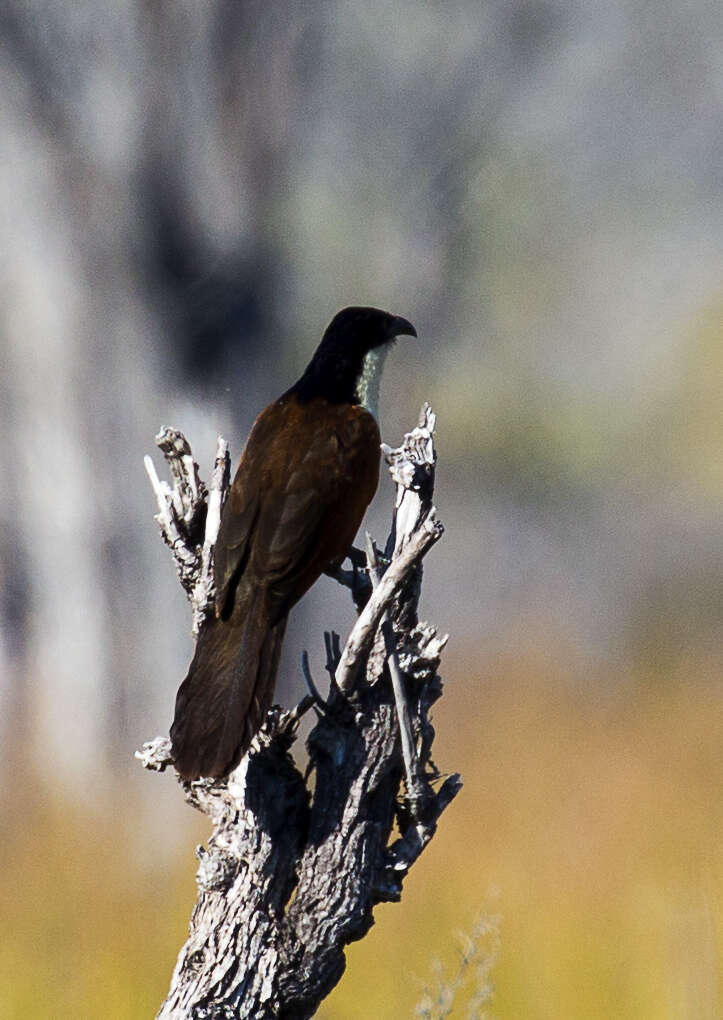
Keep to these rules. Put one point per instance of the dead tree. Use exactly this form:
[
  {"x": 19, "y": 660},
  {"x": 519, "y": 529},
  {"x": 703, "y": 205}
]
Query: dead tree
[{"x": 290, "y": 877}]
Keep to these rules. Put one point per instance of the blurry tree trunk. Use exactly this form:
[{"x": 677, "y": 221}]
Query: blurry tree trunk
[
  {"x": 290, "y": 876},
  {"x": 136, "y": 203}
]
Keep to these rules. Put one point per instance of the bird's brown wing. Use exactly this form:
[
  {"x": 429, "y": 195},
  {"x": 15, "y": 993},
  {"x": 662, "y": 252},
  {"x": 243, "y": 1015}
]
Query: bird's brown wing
[
  {"x": 242, "y": 508},
  {"x": 305, "y": 479},
  {"x": 326, "y": 484}
]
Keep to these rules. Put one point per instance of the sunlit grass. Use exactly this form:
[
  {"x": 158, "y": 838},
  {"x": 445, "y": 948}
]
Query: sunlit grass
[{"x": 591, "y": 822}]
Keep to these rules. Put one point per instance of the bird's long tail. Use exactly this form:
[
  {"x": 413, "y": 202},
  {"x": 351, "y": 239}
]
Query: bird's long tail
[{"x": 227, "y": 692}]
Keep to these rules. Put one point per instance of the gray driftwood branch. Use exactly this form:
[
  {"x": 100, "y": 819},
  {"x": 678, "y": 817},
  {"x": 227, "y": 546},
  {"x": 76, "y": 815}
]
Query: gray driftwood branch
[
  {"x": 290, "y": 878},
  {"x": 189, "y": 515}
]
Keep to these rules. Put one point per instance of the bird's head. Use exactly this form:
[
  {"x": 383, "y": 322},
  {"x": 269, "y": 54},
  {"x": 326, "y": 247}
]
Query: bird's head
[
  {"x": 347, "y": 365},
  {"x": 363, "y": 329}
]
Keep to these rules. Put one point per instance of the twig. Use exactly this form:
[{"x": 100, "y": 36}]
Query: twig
[
  {"x": 217, "y": 492},
  {"x": 332, "y": 644},
  {"x": 189, "y": 515},
  {"x": 417, "y": 791},
  {"x": 363, "y": 631},
  {"x": 309, "y": 681}
]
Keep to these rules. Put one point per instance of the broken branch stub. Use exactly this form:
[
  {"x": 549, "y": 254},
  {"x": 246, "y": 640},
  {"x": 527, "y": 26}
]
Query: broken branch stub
[{"x": 189, "y": 515}]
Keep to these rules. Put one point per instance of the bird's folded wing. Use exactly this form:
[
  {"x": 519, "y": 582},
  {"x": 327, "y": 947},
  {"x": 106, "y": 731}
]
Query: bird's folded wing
[
  {"x": 288, "y": 475},
  {"x": 242, "y": 507},
  {"x": 293, "y": 507}
]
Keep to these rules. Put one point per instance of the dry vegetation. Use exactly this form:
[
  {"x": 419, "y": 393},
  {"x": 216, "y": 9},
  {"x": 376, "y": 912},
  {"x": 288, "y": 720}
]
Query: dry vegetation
[{"x": 590, "y": 821}]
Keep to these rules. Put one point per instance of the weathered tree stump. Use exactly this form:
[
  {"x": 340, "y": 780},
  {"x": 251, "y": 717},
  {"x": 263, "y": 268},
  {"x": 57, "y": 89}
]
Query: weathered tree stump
[{"x": 291, "y": 874}]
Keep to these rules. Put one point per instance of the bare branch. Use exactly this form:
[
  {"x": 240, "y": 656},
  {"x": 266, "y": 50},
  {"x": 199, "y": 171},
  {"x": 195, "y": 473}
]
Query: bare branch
[
  {"x": 416, "y": 787},
  {"x": 365, "y": 627},
  {"x": 189, "y": 493},
  {"x": 412, "y": 467},
  {"x": 205, "y": 590},
  {"x": 189, "y": 515},
  {"x": 156, "y": 754},
  {"x": 309, "y": 681}
]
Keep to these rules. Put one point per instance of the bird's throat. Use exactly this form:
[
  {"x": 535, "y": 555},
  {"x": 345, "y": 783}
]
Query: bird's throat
[{"x": 367, "y": 388}]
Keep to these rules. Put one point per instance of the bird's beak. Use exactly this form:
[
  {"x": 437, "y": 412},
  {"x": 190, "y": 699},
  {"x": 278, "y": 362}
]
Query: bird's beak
[{"x": 402, "y": 327}]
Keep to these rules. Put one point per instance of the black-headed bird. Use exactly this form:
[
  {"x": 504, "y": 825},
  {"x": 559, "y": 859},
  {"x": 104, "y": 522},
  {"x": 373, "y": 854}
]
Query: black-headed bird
[{"x": 308, "y": 472}]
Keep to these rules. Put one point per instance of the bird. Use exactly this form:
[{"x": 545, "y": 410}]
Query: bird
[{"x": 308, "y": 471}]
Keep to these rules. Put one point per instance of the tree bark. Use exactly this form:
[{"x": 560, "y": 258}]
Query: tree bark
[{"x": 291, "y": 876}]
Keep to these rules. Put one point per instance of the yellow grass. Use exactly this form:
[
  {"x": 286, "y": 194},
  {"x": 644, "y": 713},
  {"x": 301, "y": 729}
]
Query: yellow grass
[{"x": 592, "y": 822}]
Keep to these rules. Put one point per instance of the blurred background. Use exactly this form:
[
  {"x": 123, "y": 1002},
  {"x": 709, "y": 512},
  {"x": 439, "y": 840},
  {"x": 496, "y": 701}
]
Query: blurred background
[{"x": 188, "y": 192}]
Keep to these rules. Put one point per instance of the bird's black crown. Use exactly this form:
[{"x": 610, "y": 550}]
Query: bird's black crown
[{"x": 333, "y": 372}]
